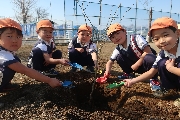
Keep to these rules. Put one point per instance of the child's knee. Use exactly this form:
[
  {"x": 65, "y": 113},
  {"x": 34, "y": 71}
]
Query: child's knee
[
  {"x": 37, "y": 52},
  {"x": 150, "y": 58},
  {"x": 57, "y": 54}
]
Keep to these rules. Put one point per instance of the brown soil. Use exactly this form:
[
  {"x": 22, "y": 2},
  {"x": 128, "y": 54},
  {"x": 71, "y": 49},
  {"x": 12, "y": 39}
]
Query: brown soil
[{"x": 35, "y": 100}]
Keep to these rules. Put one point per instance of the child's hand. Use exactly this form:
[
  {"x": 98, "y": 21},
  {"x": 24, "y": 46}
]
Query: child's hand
[
  {"x": 80, "y": 49},
  {"x": 128, "y": 82},
  {"x": 135, "y": 67},
  {"x": 64, "y": 61},
  {"x": 106, "y": 74},
  {"x": 169, "y": 63},
  {"x": 54, "y": 82}
]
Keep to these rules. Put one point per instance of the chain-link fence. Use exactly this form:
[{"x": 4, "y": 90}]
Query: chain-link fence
[{"x": 99, "y": 16}]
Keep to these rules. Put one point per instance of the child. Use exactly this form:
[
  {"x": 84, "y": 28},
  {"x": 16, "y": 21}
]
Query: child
[
  {"x": 82, "y": 50},
  {"x": 165, "y": 36},
  {"x": 10, "y": 41},
  {"x": 44, "y": 57},
  {"x": 133, "y": 54}
]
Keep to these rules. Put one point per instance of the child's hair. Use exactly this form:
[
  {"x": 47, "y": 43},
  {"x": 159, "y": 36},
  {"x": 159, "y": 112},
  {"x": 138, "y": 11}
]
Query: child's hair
[
  {"x": 8, "y": 23},
  {"x": 115, "y": 33},
  {"x": 172, "y": 28},
  {"x": 19, "y": 32},
  {"x": 112, "y": 29},
  {"x": 164, "y": 22},
  {"x": 52, "y": 22}
]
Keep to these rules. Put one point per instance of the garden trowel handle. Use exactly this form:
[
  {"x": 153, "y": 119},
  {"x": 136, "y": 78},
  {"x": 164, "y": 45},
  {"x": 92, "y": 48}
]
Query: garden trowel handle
[{"x": 70, "y": 63}]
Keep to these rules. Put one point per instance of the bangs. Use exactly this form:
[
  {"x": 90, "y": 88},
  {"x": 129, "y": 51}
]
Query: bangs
[
  {"x": 114, "y": 33},
  {"x": 19, "y": 32}
]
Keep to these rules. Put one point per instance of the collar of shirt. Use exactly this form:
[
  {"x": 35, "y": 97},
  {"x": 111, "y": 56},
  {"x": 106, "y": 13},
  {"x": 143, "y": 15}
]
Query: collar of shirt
[
  {"x": 45, "y": 41},
  {"x": 2, "y": 48},
  {"x": 170, "y": 55},
  {"x": 82, "y": 45},
  {"x": 128, "y": 42}
]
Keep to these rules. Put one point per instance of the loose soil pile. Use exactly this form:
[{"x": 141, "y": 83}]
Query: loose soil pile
[{"x": 35, "y": 100}]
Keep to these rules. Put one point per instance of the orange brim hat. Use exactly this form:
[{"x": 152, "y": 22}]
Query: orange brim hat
[
  {"x": 7, "y": 22},
  {"x": 85, "y": 27},
  {"x": 44, "y": 23},
  {"x": 113, "y": 28},
  {"x": 163, "y": 22}
]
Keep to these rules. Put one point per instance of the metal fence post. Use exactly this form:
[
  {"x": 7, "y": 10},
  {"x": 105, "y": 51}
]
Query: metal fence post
[
  {"x": 135, "y": 18},
  {"x": 150, "y": 19}
]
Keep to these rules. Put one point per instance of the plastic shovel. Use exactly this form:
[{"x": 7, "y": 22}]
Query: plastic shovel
[
  {"x": 115, "y": 85},
  {"x": 67, "y": 84},
  {"x": 75, "y": 65},
  {"x": 101, "y": 79}
]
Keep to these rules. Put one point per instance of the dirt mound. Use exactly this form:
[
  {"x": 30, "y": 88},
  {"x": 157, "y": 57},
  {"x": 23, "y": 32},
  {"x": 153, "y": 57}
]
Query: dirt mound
[{"x": 35, "y": 100}]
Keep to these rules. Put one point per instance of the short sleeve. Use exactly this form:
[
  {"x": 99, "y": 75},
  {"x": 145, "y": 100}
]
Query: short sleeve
[
  {"x": 92, "y": 48},
  {"x": 141, "y": 42},
  {"x": 114, "y": 55},
  {"x": 43, "y": 47},
  {"x": 70, "y": 44},
  {"x": 7, "y": 58},
  {"x": 156, "y": 61}
]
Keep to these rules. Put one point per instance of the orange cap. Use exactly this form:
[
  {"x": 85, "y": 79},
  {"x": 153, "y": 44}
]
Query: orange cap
[
  {"x": 114, "y": 27},
  {"x": 7, "y": 22},
  {"x": 44, "y": 23},
  {"x": 85, "y": 27},
  {"x": 163, "y": 22}
]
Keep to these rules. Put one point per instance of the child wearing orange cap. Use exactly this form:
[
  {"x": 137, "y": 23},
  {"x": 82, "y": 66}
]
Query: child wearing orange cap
[
  {"x": 82, "y": 50},
  {"x": 44, "y": 56},
  {"x": 165, "y": 36},
  {"x": 133, "y": 53},
  {"x": 10, "y": 41}
]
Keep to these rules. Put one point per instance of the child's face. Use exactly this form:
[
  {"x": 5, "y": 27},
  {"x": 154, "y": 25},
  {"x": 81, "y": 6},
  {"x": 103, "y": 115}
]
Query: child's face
[
  {"x": 10, "y": 40},
  {"x": 118, "y": 37},
  {"x": 84, "y": 36},
  {"x": 45, "y": 33},
  {"x": 164, "y": 38}
]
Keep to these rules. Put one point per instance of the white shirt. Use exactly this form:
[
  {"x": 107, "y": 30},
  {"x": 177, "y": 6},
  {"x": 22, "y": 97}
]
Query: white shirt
[
  {"x": 141, "y": 43},
  {"x": 90, "y": 47}
]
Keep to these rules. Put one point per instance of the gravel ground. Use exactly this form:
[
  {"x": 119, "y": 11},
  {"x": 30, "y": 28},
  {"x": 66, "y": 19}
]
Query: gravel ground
[{"x": 35, "y": 100}]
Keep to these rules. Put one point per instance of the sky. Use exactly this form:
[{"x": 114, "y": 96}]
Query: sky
[{"x": 56, "y": 10}]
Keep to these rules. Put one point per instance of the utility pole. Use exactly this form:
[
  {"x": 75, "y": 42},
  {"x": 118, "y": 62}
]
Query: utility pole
[{"x": 150, "y": 19}]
